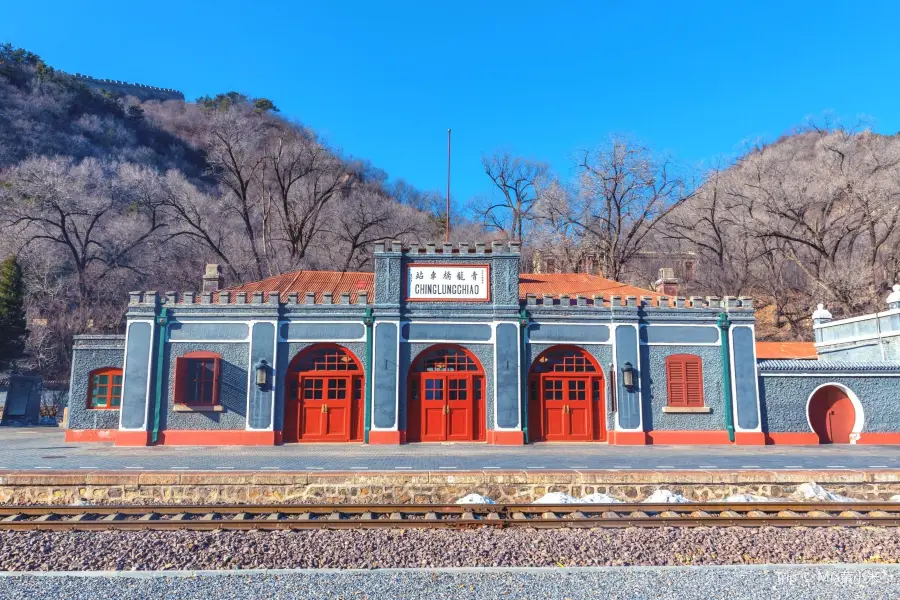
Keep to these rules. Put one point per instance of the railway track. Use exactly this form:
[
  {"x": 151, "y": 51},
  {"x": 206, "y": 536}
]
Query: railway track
[{"x": 348, "y": 516}]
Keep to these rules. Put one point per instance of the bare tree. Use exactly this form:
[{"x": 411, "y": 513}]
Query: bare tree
[
  {"x": 623, "y": 194},
  {"x": 516, "y": 179}
]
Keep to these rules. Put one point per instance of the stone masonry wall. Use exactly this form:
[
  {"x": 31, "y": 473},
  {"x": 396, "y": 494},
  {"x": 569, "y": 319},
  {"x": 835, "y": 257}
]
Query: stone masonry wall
[{"x": 67, "y": 488}]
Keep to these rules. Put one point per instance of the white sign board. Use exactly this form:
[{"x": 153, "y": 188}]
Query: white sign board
[{"x": 466, "y": 283}]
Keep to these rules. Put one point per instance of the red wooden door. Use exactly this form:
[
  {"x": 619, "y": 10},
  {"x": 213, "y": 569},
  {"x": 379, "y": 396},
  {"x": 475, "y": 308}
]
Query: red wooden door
[
  {"x": 832, "y": 416},
  {"x": 433, "y": 421},
  {"x": 460, "y": 421},
  {"x": 447, "y": 408},
  {"x": 578, "y": 410},
  {"x": 553, "y": 408},
  {"x": 326, "y": 406}
]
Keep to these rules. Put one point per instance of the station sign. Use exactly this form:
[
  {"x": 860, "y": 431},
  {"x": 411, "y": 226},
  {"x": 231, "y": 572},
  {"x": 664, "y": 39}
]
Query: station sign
[{"x": 448, "y": 283}]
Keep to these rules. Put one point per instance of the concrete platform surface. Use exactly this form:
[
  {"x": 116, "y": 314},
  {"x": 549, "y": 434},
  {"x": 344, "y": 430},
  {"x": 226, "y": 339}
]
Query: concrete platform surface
[
  {"x": 26, "y": 449},
  {"x": 824, "y": 582}
]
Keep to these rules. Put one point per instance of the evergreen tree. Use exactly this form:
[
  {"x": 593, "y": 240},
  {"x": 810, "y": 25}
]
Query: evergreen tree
[{"x": 12, "y": 311}]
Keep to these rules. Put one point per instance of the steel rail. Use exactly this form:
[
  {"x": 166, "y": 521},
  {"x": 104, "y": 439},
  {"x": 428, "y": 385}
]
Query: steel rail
[{"x": 349, "y": 516}]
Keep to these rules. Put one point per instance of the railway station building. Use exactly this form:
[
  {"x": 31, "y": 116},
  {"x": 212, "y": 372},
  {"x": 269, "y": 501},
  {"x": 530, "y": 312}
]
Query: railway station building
[{"x": 451, "y": 343}]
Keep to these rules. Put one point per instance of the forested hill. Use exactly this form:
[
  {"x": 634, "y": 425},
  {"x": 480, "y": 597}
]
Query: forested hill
[{"x": 101, "y": 193}]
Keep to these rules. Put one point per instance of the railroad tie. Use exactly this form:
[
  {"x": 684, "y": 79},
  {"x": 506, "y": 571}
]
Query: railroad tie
[
  {"x": 395, "y": 516},
  {"x": 81, "y": 517},
  {"x": 368, "y": 516},
  {"x": 879, "y": 513},
  {"x": 335, "y": 516},
  {"x": 851, "y": 514},
  {"x": 209, "y": 517},
  {"x": 787, "y": 514},
  {"x": 757, "y": 514},
  {"x": 468, "y": 516},
  {"x": 700, "y": 514},
  {"x": 275, "y": 516},
  {"x": 241, "y": 516},
  {"x": 518, "y": 516},
  {"x": 12, "y": 518},
  {"x": 638, "y": 514},
  {"x": 304, "y": 516},
  {"x": 180, "y": 517},
  {"x": 669, "y": 514},
  {"x": 729, "y": 514},
  {"x": 493, "y": 516},
  {"x": 610, "y": 515},
  {"x": 47, "y": 517},
  {"x": 576, "y": 515},
  {"x": 429, "y": 516},
  {"x": 819, "y": 514},
  {"x": 549, "y": 516},
  {"x": 149, "y": 517},
  {"x": 114, "y": 517}
]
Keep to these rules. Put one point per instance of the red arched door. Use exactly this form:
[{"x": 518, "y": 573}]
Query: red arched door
[
  {"x": 324, "y": 396},
  {"x": 565, "y": 397},
  {"x": 832, "y": 415},
  {"x": 446, "y": 397}
]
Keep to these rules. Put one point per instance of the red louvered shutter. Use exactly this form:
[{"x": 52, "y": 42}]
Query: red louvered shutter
[
  {"x": 676, "y": 381},
  {"x": 684, "y": 378},
  {"x": 693, "y": 382}
]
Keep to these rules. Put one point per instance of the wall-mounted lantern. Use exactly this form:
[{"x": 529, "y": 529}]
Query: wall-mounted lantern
[
  {"x": 628, "y": 375},
  {"x": 262, "y": 374}
]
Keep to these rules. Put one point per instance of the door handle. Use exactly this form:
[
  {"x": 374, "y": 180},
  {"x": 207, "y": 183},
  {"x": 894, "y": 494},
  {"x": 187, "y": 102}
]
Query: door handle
[
  {"x": 325, "y": 409},
  {"x": 446, "y": 409}
]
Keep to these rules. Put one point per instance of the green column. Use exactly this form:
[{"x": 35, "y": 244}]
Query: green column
[{"x": 724, "y": 326}]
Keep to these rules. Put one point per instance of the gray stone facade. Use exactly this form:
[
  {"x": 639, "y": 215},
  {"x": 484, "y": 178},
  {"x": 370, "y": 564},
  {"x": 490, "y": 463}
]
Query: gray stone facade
[{"x": 505, "y": 333}]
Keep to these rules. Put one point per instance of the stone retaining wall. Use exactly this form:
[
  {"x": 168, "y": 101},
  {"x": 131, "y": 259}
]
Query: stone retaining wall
[{"x": 62, "y": 488}]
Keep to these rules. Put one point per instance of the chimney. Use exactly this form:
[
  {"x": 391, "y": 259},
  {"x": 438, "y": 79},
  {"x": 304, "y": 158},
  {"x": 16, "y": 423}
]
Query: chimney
[
  {"x": 667, "y": 283},
  {"x": 212, "y": 278}
]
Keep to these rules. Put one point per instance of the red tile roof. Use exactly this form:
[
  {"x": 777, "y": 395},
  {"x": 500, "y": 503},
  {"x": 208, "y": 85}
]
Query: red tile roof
[
  {"x": 782, "y": 350},
  {"x": 554, "y": 284},
  {"x": 575, "y": 284},
  {"x": 318, "y": 282}
]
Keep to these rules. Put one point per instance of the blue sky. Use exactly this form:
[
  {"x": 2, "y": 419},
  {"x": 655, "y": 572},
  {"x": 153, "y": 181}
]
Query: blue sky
[{"x": 384, "y": 80}]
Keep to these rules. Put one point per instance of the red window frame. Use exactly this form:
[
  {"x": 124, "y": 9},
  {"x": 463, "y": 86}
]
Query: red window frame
[
  {"x": 193, "y": 376},
  {"x": 684, "y": 380},
  {"x": 113, "y": 401}
]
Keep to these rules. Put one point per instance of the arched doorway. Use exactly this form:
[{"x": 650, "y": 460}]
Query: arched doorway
[
  {"x": 324, "y": 396},
  {"x": 446, "y": 396},
  {"x": 566, "y": 397},
  {"x": 832, "y": 414}
]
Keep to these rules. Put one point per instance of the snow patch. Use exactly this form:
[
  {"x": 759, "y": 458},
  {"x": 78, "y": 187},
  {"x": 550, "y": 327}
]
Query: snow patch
[
  {"x": 475, "y": 499},
  {"x": 746, "y": 498},
  {"x": 814, "y": 491},
  {"x": 599, "y": 498},
  {"x": 895, "y": 498},
  {"x": 556, "y": 498},
  {"x": 665, "y": 497}
]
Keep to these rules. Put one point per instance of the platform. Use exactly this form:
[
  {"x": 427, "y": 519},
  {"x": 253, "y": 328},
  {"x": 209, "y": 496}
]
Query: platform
[{"x": 44, "y": 449}]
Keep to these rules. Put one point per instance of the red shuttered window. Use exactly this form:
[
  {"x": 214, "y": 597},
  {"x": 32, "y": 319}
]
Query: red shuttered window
[
  {"x": 684, "y": 377},
  {"x": 197, "y": 378}
]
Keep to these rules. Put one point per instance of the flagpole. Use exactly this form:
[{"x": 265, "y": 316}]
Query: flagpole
[{"x": 447, "y": 236}]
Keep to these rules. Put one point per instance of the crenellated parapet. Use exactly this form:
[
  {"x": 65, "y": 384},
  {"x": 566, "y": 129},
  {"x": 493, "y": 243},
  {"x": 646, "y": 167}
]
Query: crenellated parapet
[
  {"x": 645, "y": 302},
  {"x": 138, "y": 90},
  {"x": 449, "y": 248}
]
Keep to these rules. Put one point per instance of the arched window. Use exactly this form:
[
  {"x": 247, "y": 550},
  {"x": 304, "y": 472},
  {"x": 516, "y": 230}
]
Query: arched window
[
  {"x": 446, "y": 358},
  {"x": 564, "y": 359},
  {"x": 197, "y": 379},
  {"x": 326, "y": 357},
  {"x": 105, "y": 388},
  {"x": 684, "y": 380}
]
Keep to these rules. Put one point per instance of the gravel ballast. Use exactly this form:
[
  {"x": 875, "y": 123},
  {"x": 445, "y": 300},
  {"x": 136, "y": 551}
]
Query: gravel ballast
[
  {"x": 785, "y": 582},
  {"x": 416, "y": 548}
]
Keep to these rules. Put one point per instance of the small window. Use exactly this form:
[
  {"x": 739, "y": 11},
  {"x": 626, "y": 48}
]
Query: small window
[
  {"x": 684, "y": 377},
  {"x": 197, "y": 379},
  {"x": 105, "y": 389}
]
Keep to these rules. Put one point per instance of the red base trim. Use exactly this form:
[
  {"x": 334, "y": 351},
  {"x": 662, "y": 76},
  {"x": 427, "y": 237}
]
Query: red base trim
[
  {"x": 216, "y": 438},
  {"x": 387, "y": 437},
  {"x": 749, "y": 438},
  {"x": 505, "y": 438},
  {"x": 279, "y": 438},
  {"x": 91, "y": 435},
  {"x": 133, "y": 438},
  {"x": 628, "y": 438},
  {"x": 878, "y": 438},
  {"x": 694, "y": 438},
  {"x": 792, "y": 438}
]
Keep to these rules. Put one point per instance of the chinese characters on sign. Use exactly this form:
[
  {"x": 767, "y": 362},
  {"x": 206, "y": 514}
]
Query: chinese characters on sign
[{"x": 438, "y": 282}]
